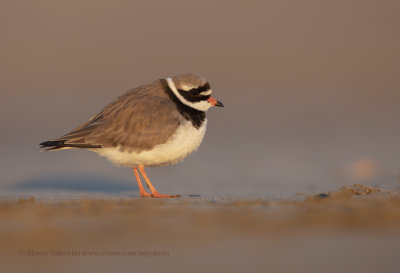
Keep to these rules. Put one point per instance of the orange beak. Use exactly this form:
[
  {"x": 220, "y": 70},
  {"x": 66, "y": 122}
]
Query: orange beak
[{"x": 215, "y": 102}]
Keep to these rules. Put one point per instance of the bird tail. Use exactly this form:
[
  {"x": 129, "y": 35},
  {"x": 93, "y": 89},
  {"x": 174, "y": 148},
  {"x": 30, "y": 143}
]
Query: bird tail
[{"x": 55, "y": 145}]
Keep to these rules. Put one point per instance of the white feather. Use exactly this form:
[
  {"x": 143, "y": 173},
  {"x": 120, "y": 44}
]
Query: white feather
[
  {"x": 185, "y": 141},
  {"x": 206, "y": 93}
]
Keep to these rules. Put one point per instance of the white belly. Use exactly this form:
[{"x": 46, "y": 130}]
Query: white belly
[{"x": 185, "y": 141}]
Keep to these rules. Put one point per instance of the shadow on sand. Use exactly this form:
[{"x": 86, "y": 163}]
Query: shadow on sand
[{"x": 76, "y": 183}]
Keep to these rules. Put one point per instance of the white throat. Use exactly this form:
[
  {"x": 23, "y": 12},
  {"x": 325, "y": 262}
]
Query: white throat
[{"x": 201, "y": 105}]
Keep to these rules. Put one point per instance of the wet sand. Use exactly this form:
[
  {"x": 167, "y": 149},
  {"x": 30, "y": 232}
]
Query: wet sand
[{"x": 354, "y": 229}]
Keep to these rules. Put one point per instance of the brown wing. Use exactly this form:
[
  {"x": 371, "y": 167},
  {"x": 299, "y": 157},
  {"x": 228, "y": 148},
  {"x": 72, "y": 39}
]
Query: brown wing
[{"x": 137, "y": 120}]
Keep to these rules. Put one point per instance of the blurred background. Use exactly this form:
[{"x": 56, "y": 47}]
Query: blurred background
[
  {"x": 311, "y": 91},
  {"x": 312, "y": 103}
]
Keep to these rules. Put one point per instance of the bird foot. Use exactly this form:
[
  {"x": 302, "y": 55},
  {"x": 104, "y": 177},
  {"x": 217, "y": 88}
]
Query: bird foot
[
  {"x": 159, "y": 195},
  {"x": 145, "y": 194}
]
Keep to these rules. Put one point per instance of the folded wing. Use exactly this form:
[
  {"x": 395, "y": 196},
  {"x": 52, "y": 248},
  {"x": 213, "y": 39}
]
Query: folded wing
[{"x": 136, "y": 121}]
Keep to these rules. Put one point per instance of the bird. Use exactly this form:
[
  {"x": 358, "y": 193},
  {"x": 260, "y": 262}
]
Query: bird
[{"x": 156, "y": 124}]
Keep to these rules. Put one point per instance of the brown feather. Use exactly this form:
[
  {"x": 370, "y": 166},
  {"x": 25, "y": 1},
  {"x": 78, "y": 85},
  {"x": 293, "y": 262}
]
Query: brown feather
[{"x": 137, "y": 121}]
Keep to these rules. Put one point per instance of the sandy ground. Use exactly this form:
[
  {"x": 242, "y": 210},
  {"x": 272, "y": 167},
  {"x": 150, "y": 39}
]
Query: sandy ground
[{"x": 356, "y": 229}]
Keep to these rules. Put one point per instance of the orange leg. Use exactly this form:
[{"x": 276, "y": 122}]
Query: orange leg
[
  {"x": 142, "y": 191},
  {"x": 154, "y": 192}
]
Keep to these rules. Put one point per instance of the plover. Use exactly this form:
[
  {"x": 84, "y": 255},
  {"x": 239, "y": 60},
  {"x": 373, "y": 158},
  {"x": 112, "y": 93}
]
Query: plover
[{"x": 156, "y": 124}]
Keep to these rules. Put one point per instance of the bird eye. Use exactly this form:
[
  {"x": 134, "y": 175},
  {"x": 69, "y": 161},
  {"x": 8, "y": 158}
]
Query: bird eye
[{"x": 194, "y": 92}]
